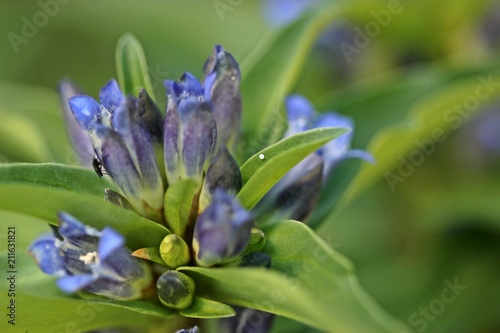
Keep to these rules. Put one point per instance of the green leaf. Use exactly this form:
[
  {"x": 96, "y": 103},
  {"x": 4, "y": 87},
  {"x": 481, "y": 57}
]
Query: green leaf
[
  {"x": 178, "y": 203},
  {"x": 205, "y": 308},
  {"x": 308, "y": 282},
  {"x": 259, "y": 175},
  {"x": 43, "y": 190},
  {"x": 271, "y": 70},
  {"x": 149, "y": 253},
  {"x": 131, "y": 66},
  {"x": 301, "y": 255},
  {"x": 435, "y": 113},
  {"x": 71, "y": 178}
]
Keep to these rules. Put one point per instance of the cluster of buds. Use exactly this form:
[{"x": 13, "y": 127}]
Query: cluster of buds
[
  {"x": 149, "y": 155},
  {"x": 180, "y": 162}
]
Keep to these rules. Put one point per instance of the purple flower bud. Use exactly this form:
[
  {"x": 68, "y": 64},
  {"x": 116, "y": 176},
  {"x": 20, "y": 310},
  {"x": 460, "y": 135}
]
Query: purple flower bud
[
  {"x": 223, "y": 173},
  {"x": 221, "y": 86},
  {"x": 295, "y": 196},
  {"x": 222, "y": 230},
  {"x": 91, "y": 260},
  {"x": 122, "y": 130},
  {"x": 190, "y": 132}
]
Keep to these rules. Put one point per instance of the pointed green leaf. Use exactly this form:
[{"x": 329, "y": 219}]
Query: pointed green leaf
[
  {"x": 52, "y": 175},
  {"x": 43, "y": 190},
  {"x": 178, "y": 204},
  {"x": 149, "y": 253},
  {"x": 264, "y": 169},
  {"x": 205, "y": 308},
  {"x": 271, "y": 70},
  {"x": 131, "y": 66},
  {"x": 309, "y": 282}
]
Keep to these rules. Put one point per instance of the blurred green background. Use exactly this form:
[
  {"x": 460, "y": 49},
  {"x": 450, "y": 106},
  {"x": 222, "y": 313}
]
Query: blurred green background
[{"x": 440, "y": 225}]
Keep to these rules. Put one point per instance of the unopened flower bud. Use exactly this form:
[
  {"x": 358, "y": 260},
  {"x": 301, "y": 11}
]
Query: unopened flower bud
[
  {"x": 174, "y": 251},
  {"x": 222, "y": 231},
  {"x": 256, "y": 242},
  {"x": 175, "y": 290},
  {"x": 223, "y": 173}
]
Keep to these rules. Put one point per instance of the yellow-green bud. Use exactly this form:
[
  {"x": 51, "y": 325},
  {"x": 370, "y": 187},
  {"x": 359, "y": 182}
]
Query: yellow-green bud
[
  {"x": 175, "y": 290},
  {"x": 256, "y": 242},
  {"x": 174, "y": 251}
]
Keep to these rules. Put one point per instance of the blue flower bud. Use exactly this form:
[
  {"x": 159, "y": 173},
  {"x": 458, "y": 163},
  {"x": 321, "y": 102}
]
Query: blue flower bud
[
  {"x": 190, "y": 132},
  {"x": 221, "y": 85},
  {"x": 222, "y": 230},
  {"x": 122, "y": 131},
  {"x": 91, "y": 260},
  {"x": 295, "y": 196},
  {"x": 223, "y": 173},
  {"x": 174, "y": 251},
  {"x": 175, "y": 290}
]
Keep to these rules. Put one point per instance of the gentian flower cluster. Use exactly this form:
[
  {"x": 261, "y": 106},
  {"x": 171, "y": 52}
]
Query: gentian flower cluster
[{"x": 188, "y": 151}]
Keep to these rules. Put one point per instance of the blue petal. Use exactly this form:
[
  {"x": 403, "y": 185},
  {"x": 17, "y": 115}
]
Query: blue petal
[
  {"x": 332, "y": 119},
  {"x": 279, "y": 13},
  {"x": 70, "y": 227},
  {"x": 210, "y": 63},
  {"x": 74, "y": 283},
  {"x": 361, "y": 154},
  {"x": 85, "y": 109},
  {"x": 123, "y": 119},
  {"x": 111, "y": 96},
  {"x": 338, "y": 147},
  {"x": 188, "y": 85},
  {"x": 299, "y": 113},
  {"x": 208, "y": 84},
  {"x": 47, "y": 256},
  {"x": 79, "y": 137},
  {"x": 109, "y": 242}
]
